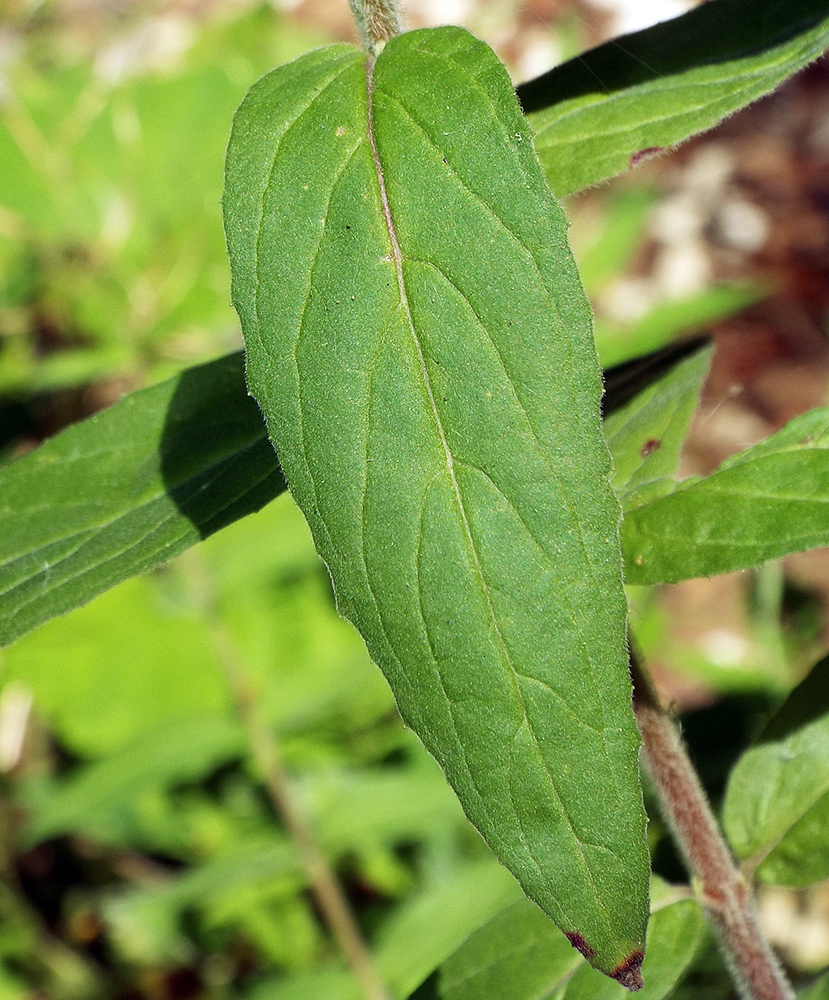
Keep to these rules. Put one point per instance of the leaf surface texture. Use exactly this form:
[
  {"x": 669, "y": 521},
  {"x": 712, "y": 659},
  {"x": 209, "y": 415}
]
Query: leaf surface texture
[{"x": 420, "y": 345}]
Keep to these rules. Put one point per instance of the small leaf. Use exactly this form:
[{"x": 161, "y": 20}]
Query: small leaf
[
  {"x": 595, "y": 115},
  {"x": 129, "y": 489},
  {"x": 766, "y": 502},
  {"x": 420, "y": 344},
  {"x": 780, "y": 787},
  {"x": 646, "y": 437}
]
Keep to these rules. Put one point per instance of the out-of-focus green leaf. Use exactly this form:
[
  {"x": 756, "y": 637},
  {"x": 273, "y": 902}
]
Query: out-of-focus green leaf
[
  {"x": 328, "y": 983},
  {"x": 429, "y": 928},
  {"x": 777, "y": 801},
  {"x": 619, "y": 235},
  {"x": 674, "y": 318},
  {"x": 101, "y": 677},
  {"x": 766, "y": 502},
  {"x": 147, "y": 920},
  {"x": 595, "y": 114},
  {"x": 420, "y": 344},
  {"x": 350, "y": 808},
  {"x": 646, "y": 436},
  {"x": 817, "y": 991},
  {"x": 127, "y": 489},
  {"x": 94, "y": 801}
]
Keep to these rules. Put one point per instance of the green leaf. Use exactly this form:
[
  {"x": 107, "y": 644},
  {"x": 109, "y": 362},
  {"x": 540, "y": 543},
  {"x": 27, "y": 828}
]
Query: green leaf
[
  {"x": 639, "y": 93},
  {"x": 779, "y": 789},
  {"x": 128, "y": 489},
  {"x": 96, "y": 674},
  {"x": 817, "y": 991},
  {"x": 93, "y": 800},
  {"x": 766, "y": 502},
  {"x": 420, "y": 345},
  {"x": 646, "y": 436},
  {"x": 428, "y": 930},
  {"x": 520, "y": 955}
]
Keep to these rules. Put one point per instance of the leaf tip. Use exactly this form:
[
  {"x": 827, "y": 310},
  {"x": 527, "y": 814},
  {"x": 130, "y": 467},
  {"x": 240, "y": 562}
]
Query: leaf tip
[{"x": 629, "y": 972}]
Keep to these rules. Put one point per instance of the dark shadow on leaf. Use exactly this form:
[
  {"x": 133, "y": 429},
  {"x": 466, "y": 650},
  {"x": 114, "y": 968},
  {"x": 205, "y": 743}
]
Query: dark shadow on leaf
[
  {"x": 218, "y": 464},
  {"x": 716, "y": 32},
  {"x": 428, "y": 990},
  {"x": 216, "y": 460},
  {"x": 807, "y": 703}
]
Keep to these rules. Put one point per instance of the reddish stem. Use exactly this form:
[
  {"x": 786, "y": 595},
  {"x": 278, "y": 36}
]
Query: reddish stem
[{"x": 721, "y": 887}]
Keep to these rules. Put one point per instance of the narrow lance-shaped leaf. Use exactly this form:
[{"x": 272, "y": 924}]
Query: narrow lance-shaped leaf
[
  {"x": 595, "y": 114},
  {"x": 128, "y": 489},
  {"x": 420, "y": 345},
  {"x": 766, "y": 502}
]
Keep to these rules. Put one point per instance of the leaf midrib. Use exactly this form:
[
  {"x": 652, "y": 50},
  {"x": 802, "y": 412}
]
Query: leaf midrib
[{"x": 397, "y": 257}]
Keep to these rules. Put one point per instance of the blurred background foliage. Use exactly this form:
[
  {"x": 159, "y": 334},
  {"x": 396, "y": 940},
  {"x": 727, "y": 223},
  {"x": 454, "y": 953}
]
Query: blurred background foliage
[{"x": 142, "y": 851}]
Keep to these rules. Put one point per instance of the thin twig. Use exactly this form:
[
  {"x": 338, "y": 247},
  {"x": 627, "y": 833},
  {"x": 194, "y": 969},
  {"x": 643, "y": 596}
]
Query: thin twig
[
  {"x": 719, "y": 884},
  {"x": 325, "y": 887}
]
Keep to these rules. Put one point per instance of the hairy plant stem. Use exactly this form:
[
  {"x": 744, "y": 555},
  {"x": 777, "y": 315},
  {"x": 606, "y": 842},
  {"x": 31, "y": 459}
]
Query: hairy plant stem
[
  {"x": 265, "y": 752},
  {"x": 377, "y": 22},
  {"x": 718, "y": 882}
]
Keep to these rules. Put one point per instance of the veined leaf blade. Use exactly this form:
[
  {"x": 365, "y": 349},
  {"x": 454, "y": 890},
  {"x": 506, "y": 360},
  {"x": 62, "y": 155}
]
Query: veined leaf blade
[
  {"x": 128, "y": 489},
  {"x": 654, "y": 88},
  {"x": 420, "y": 345},
  {"x": 766, "y": 502}
]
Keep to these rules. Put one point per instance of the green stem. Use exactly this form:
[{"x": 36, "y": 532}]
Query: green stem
[
  {"x": 377, "y": 22},
  {"x": 721, "y": 887}
]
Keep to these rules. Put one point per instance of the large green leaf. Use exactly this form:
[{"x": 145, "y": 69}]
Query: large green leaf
[
  {"x": 593, "y": 115},
  {"x": 420, "y": 345},
  {"x": 129, "y": 489},
  {"x": 766, "y": 502},
  {"x": 777, "y": 802}
]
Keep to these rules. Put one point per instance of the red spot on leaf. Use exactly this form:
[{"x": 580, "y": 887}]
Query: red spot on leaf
[
  {"x": 629, "y": 973},
  {"x": 650, "y": 446},
  {"x": 578, "y": 942},
  {"x": 646, "y": 154}
]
